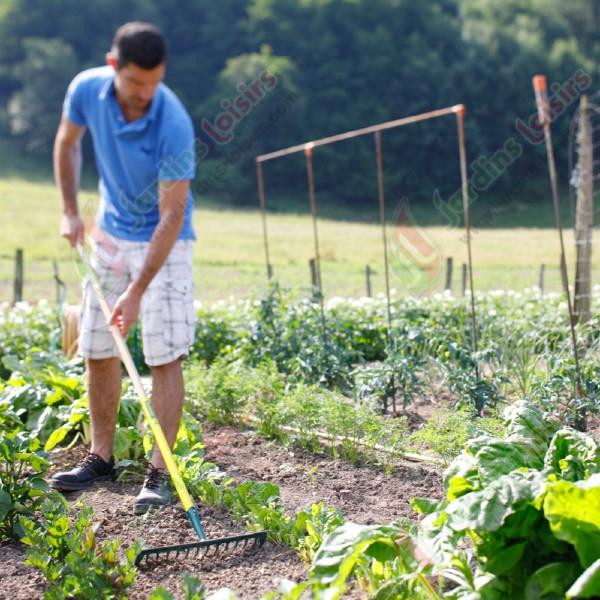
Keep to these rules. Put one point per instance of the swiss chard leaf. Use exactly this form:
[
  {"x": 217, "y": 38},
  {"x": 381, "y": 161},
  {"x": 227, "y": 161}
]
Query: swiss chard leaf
[
  {"x": 340, "y": 551},
  {"x": 504, "y": 560},
  {"x": 488, "y": 509},
  {"x": 573, "y": 510},
  {"x": 573, "y": 455}
]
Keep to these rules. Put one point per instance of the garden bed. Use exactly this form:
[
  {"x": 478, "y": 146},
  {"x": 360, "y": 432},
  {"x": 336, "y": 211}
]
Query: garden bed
[{"x": 364, "y": 494}]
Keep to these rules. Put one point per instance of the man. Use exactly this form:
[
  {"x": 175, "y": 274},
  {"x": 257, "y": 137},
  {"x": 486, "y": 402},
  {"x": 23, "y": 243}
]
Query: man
[{"x": 142, "y": 241}]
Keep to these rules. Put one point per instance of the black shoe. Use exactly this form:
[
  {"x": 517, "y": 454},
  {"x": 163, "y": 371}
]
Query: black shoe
[
  {"x": 91, "y": 469},
  {"x": 156, "y": 491}
]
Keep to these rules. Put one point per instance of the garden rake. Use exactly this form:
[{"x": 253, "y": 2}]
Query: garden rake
[{"x": 204, "y": 547}]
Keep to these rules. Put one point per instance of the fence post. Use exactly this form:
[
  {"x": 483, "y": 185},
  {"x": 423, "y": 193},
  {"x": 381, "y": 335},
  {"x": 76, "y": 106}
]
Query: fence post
[
  {"x": 60, "y": 284},
  {"x": 464, "y": 278},
  {"x": 18, "y": 284},
  {"x": 448, "y": 284},
  {"x": 541, "y": 278},
  {"x": 368, "y": 274},
  {"x": 314, "y": 279}
]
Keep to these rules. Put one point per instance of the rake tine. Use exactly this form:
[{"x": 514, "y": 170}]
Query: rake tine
[{"x": 203, "y": 549}]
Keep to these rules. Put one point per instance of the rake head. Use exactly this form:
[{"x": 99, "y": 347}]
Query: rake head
[{"x": 201, "y": 549}]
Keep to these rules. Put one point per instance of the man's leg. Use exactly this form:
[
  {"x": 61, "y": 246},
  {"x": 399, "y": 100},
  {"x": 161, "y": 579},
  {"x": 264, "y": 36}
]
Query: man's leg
[
  {"x": 104, "y": 390},
  {"x": 167, "y": 312},
  {"x": 103, "y": 371},
  {"x": 167, "y": 400}
]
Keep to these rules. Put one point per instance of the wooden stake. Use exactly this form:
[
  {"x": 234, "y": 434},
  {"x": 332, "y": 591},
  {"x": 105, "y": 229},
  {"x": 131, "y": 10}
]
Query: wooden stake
[
  {"x": 540, "y": 87},
  {"x": 448, "y": 285},
  {"x": 584, "y": 217},
  {"x": 18, "y": 283},
  {"x": 314, "y": 278}
]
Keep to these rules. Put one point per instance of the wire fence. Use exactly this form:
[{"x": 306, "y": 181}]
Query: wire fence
[{"x": 214, "y": 282}]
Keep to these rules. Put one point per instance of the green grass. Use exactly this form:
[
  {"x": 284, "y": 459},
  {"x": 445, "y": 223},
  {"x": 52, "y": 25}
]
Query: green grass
[{"x": 230, "y": 253}]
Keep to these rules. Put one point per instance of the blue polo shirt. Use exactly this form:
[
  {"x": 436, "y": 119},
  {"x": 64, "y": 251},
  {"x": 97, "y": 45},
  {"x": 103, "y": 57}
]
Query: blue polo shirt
[{"x": 133, "y": 157}]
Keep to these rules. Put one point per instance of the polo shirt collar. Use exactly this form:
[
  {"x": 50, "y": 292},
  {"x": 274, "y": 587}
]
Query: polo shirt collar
[{"x": 108, "y": 92}]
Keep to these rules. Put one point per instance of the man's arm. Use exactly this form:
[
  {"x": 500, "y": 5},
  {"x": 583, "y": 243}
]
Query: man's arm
[
  {"x": 67, "y": 168},
  {"x": 172, "y": 201}
]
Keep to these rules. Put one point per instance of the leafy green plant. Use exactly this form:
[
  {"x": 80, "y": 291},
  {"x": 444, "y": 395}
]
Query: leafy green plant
[
  {"x": 22, "y": 485},
  {"x": 26, "y": 326},
  {"x": 446, "y": 431},
  {"x": 298, "y": 338},
  {"x": 65, "y": 550},
  {"x": 216, "y": 333},
  {"x": 528, "y": 503},
  {"x": 380, "y": 557},
  {"x": 48, "y": 391},
  {"x": 397, "y": 375},
  {"x": 322, "y": 521},
  {"x": 223, "y": 392},
  {"x": 521, "y": 519},
  {"x": 299, "y": 415}
]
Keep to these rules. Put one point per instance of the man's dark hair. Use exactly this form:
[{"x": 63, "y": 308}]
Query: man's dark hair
[{"x": 139, "y": 43}]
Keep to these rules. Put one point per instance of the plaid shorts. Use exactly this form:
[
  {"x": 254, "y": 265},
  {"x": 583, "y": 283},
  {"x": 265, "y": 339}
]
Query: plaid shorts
[{"x": 167, "y": 307}]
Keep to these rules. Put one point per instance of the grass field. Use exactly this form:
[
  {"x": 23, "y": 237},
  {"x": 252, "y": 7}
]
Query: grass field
[{"x": 230, "y": 253}]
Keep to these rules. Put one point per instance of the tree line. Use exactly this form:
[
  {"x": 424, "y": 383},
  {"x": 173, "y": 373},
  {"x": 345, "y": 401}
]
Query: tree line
[{"x": 258, "y": 75}]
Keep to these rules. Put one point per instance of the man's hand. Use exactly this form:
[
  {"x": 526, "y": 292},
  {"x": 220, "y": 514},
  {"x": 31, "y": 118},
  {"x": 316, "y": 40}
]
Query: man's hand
[
  {"x": 71, "y": 228},
  {"x": 126, "y": 310}
]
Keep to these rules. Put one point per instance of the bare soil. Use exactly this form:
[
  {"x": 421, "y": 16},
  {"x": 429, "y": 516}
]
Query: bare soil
[{"x": 364, "y": 494}]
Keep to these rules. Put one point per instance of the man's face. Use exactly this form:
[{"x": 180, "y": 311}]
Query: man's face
[{"x": 136, "y": 86}]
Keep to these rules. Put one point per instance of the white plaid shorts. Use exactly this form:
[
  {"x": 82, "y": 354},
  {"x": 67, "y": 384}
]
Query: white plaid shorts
[{"x": 167, "y": 307}]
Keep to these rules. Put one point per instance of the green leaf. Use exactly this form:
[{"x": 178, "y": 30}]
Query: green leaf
[
  {"x": 488, "y": 509},
  {"x": 573, "y": 455},
  {"x": 38, "y": 483},
  {"x": 382, "y": 550},
  {"x": 57, "y": 436},
  {"x": 528, "y": 422},
  {"x": 336, "y": 558},
  {"x": 462, "y": 476},
  {"x": 587, "y": 584},
  {"x": 573, "y": 510},
  {"x": 395, "y": 589},
  {"x": 504, "y": 560},
  {"x": 496, "y": 457},
  {"x": 6, "y": 504},
  {"x": 424, "y": 506},
  {"x": 550, "y": 581}
]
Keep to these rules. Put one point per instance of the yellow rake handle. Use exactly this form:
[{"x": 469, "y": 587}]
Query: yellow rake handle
[{"x": 151, "y": 419}]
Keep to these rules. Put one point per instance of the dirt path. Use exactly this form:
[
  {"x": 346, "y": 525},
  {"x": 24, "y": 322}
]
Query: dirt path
[{"x": 364, "y": 494}]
